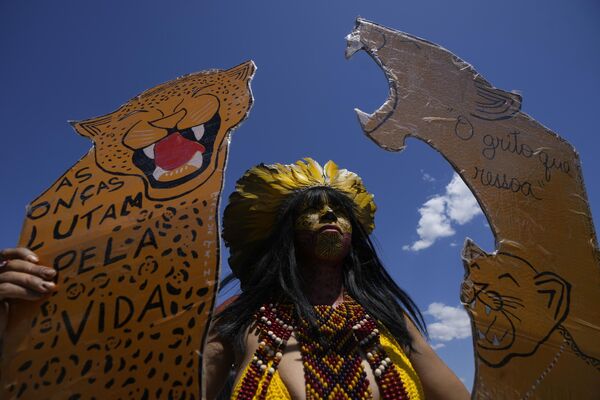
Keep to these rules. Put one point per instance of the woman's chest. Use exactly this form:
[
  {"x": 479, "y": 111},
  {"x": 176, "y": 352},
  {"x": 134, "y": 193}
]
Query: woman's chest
[{"x": 321, "y": 373}]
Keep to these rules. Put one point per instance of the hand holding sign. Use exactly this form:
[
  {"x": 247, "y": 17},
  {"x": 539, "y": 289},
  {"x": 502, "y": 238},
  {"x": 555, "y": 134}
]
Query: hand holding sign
[{"x": 21, "y": 277}]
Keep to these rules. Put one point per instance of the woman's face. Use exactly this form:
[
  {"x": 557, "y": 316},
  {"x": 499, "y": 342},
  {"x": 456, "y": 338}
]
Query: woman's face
[{"x": 323, "y": 233}]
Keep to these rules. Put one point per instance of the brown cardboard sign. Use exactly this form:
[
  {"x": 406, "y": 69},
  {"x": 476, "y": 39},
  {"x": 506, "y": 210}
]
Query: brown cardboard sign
[
  {"x": 132, "y": 230},
  {"x": 533, "y": 302}
]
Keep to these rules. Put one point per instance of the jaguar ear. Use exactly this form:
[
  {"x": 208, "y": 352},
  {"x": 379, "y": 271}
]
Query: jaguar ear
[
  {"x": 471, "y": 251},
  {"x": 242, "y": 72},
  {"x": 495, "y": 104},
  {"x": 91, "y": 128},
  {"x": 558, "y": 291}
]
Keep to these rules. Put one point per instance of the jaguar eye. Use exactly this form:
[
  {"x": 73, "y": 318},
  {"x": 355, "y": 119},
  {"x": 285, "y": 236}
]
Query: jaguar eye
[{"x": 509, "y": 277}]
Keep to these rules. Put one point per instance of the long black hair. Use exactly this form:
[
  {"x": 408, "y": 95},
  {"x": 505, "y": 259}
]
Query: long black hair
[{"x": 275, "y": 276}]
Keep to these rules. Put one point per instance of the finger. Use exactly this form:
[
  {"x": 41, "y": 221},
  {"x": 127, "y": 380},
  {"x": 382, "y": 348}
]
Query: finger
[
  {"x": 18, "y": 253},
  {"x": 12, "y": 291},
  {"x": 29, "y": 268},
  {"x": 28, "y": 281}
]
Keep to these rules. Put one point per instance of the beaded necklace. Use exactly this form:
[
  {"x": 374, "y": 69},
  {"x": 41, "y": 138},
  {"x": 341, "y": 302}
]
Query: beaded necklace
[{"x": 333, "y": 371}]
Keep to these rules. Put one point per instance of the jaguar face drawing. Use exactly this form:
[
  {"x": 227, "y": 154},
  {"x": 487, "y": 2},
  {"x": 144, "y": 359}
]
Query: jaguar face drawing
[
  {"x": 169, "y": 135},
  {"x": 505, "y": 294}
]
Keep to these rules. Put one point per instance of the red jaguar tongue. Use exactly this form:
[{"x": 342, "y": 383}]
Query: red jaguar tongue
[{"x": 174, "y": 151}]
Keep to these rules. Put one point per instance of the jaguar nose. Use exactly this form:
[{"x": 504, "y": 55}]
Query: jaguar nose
[{"x": 170, "y": 121}]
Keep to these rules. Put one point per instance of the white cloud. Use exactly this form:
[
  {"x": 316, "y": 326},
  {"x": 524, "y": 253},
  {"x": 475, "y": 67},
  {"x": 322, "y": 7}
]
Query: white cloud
[
  {"x": 450, "y": 322},
  {"x": 438, "y": 213},
  {"x": 461, "y": 204},
  {"x": 436, "y": 346},
  {"x": 426, "y": 177},
  {"x": 433, "y": 223}
]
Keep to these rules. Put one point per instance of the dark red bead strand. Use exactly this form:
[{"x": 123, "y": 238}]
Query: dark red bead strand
[
  {"x": 273, "y": 336},
  {"x": 386, "y": 374}
]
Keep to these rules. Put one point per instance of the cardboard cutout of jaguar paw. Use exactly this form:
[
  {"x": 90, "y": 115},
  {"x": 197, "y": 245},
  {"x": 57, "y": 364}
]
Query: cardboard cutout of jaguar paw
[
  {"x": 132, "y": 230},
  {"x": 533, "y": 302}
]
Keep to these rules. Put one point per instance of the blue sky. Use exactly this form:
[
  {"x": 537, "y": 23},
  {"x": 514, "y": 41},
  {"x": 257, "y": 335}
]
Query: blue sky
[{"x": 70, "y": 60}]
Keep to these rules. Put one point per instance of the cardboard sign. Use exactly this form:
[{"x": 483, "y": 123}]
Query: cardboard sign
[
  {"x": 132, "y": 230},
  {"x": 533, "y": 303}
]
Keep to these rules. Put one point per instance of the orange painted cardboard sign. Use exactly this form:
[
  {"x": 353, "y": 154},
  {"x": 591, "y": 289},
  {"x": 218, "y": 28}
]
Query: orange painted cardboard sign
[
  {"x": 132, "y": 230},
  {"x": 533, "y": 303}
]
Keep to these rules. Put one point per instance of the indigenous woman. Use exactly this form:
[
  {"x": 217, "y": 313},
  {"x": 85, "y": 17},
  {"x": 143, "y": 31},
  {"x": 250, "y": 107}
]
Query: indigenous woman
[{"x": 318, "y": 316}]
